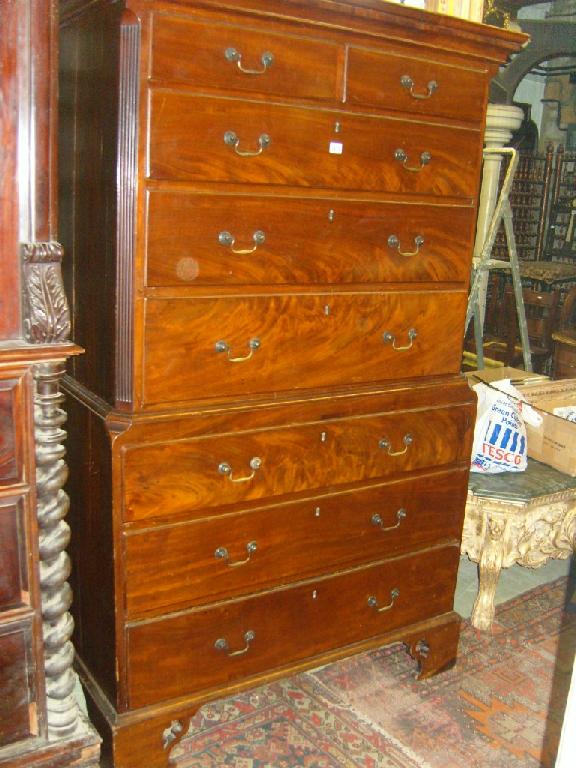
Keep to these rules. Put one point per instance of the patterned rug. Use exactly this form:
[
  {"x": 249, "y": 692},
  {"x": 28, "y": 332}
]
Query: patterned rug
[{"x": 500, "y": 707}]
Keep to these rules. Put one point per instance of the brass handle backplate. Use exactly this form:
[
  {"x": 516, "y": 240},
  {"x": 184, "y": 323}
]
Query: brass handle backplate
[
  {"x": 233, "y": 55},
  {"x": 225, "y": 469},
  {"x": 222, "y": 644},
  {"x": 386, "y": 445},
  {"x": 373, "y": 601},
  {"x": 394, "y": 242},
  {"x": 223, "y": 346},
  {"x": 377, "y": 520},
  {"x": 227, "y": 239},
  {"x": 222, "y": 554},
  {"x": 232, "y": 139},
  {"x": 389, "y": 338},
  {"x": 407, "y": 82},
  {"x": 402, "y": 157}
]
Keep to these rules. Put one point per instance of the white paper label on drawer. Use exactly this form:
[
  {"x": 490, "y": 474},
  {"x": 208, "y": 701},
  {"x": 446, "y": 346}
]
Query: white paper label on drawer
[{"x": 336, "y": 148}]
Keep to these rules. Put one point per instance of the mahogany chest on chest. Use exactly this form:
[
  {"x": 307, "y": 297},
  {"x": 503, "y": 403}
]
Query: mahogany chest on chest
[{"x": 268, "y": 211}]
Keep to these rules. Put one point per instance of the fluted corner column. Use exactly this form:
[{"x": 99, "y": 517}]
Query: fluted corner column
[
  {"x": 501, "y": 122},
  {"x": 52, "y": 503}
]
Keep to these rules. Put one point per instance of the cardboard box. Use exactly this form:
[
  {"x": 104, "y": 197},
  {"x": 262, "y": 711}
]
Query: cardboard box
[
  {"x": 516, "y": 375},
  {"x": 554, "y": 442}
]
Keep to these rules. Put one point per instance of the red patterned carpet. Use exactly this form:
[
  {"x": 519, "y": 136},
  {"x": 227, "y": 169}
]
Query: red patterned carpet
[{"x": 500, "y": 707}]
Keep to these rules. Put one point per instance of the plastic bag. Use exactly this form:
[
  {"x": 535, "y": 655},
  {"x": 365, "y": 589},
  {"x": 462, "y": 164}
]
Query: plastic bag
[{"x": 500, "y": 434}]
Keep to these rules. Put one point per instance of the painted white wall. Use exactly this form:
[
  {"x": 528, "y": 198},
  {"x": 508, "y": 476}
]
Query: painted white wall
[{"x": 566, "y": 757}]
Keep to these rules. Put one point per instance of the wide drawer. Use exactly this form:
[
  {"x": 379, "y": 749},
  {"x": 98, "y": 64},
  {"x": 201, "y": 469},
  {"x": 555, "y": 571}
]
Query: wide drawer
[
  {"x": 204, "y": 138},
  {"x": 236, "y": 58},
  {"x": 187, "y": 653},
  {"x": 417, "y": 85},
  {"x": 190, "y": 476},
  {"x": 14, "y": 586},
  {"x": 196, "y": 239},
  {"x": 226, "y": 346},
  {"x": 171, "y": 568}
]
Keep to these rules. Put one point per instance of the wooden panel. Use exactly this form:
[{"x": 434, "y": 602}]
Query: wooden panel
[
  {"x": 195, "y": 51},
  {"x": 375, "y": 79},
  {"x": 174, "y": 477},
  {"x": 13, "y": 569},
  {"x": 306, "y": 241},
  {"x": 187, "y": 142},
  {"x": 175, "y": 656},
  {"x": 10, "y": 470},
  {"x": 176, "y": 567},
  {"x": 17, "y": 707},
  {"x": 305, "y": 341}
]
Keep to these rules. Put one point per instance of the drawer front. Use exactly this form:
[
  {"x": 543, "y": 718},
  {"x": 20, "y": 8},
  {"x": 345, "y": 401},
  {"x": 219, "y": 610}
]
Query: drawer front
[
  {"x": 420, "y": 86},
  {"x": 215, "y": 56},
  {"x": 14, "y": 592},
  {"x": 261, "y": 344},
  {"x": 191, "y": 476},
  {"x": 18, "y": 717},
  {"x": 195, "y": 137},
  {"x": 10, "y": 469},
  {"x": 176, "y": 656},
  {"x": 238, "y": 240},
  {"x": 231, "y": 555}
]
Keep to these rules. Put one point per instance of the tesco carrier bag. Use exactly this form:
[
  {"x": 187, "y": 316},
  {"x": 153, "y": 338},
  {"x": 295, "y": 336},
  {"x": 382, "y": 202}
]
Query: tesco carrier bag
[{"x": 500, "y": 433}]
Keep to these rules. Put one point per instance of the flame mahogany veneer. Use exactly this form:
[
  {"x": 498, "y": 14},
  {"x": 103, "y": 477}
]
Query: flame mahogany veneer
[{"x": 268, "y": 212}]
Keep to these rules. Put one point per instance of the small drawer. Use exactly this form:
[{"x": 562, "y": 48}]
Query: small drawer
[
  {"x": 176, "y": 567},
  {"x": 196, "y": 239},
  {"x": 14, "y": 587},
  {"x": 209, "y": 139},
  {"x": 11, "y": 414},
  {"x": 18, "y": 706},
  {"x": 192, "y": 476},
  {"x": 262, "y": 344},
  {"x": 214, "y": 646},
  {"x": 235, "y": 58},
  {"x": 421, "y": 86}
]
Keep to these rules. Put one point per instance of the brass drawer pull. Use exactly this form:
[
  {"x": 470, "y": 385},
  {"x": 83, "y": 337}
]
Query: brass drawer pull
[
  {"x": 373, "y": 601},
  {"x": 223, "y": 346},
  {"x": 267, "y": 60},
  {"x": 232, "y": 140},
  {"x": 225, "y": 469},
  {"x": 394, "y": 242},
  {"x": 402, "y": 157},
  {"x": 377, "y": 520},
  {"x": 227, "y": 239},
  {"x": 407, "y": 82},
  {"x": 222, "y": 644},
  {"x": 386, "y": 445},
  {"x": 389, "y": 338},
  {"x": 222, "y": 554}
]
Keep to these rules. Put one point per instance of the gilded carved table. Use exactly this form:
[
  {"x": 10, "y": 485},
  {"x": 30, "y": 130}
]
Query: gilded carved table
[{"x": 523, "y": 518}]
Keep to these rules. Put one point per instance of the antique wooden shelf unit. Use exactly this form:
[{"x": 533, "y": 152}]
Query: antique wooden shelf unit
[{"x": 268, "y": 210}]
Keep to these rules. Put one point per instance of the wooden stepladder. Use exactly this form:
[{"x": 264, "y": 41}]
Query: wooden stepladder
[{"x": 484, "y": 263}]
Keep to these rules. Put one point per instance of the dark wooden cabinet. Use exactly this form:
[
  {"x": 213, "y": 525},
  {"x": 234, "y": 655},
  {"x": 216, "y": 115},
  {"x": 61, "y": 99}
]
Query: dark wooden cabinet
[
  {"x": 41, "y": 725},
  {"x": 268, "y": 212}
]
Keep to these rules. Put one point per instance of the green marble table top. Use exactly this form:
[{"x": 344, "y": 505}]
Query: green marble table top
[{"x": 538, "y": 480}]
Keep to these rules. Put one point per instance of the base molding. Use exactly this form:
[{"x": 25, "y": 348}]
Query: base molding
[
  {"x": 146, "y": 737},
  {"x": 80, "y": 750}
]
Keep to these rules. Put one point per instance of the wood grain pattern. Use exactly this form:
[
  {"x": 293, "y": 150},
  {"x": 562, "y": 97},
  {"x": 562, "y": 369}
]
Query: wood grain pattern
[
  {"x": 176, "y": 655},
  {"x": 165, "y": 479},
  {"x": 374, "y": 78},
  {"x": 307, "y": 241},
  {"x": 175, "y": 567},
  {"x": 187, "y": 142},
  {"x": 305, "y": 341},
  {"x": 185, "y": 50}
]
